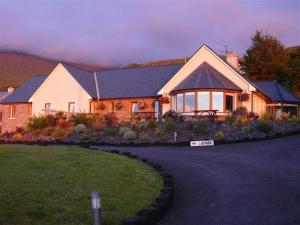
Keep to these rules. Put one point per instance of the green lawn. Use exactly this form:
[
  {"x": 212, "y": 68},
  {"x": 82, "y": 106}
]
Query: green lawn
[{"x": 52, "y": 185}]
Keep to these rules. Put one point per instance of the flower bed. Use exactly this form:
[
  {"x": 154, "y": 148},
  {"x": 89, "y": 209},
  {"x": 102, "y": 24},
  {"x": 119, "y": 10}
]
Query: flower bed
[{"x": 171, "y": 129}]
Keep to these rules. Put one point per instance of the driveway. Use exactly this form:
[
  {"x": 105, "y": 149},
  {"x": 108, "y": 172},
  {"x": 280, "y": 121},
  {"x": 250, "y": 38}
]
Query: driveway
[{"x": 255, "y": 183}]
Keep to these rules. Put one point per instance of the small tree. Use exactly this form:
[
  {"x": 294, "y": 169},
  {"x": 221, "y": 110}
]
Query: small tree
[{"x": 265, "y": 58}]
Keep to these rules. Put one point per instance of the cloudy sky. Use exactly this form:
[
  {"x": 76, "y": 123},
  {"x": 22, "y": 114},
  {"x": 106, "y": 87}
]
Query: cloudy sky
[{"x": 120, "y": 32}]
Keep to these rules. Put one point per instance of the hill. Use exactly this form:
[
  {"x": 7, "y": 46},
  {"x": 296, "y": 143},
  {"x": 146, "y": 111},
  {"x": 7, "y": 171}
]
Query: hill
[{"x": 16, "y": 68}]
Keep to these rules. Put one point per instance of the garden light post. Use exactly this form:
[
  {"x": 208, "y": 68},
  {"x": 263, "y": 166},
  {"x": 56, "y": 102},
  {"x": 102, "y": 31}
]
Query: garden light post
[{"x": 96, "y": 206}]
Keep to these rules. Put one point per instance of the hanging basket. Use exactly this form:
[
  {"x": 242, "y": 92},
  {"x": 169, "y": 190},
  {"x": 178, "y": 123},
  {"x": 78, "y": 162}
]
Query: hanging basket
[
  {"x": 244, "y": 97},
  {"x": 118, "y": 105},
  {"x": 164, "y": 100},
  {"x": 100, "y": 106},
  {"x": 142, "y": 105}
]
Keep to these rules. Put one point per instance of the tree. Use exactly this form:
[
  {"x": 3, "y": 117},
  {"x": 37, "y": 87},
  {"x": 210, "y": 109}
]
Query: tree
[
  {"x": 265, "y": 59},
  {"x": 290, "y": 78}
]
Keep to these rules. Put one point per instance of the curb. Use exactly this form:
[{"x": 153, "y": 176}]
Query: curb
[{"x": 160, "y": 205}]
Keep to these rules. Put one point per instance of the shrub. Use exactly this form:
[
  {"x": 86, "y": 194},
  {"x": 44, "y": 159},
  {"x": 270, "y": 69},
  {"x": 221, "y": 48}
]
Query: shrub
[
  {"x": 144, "y": 137},
  {"x": 171, "y": 114},
  {"x": 97, "y": 122},
  {"x": 268, "y": 116},
  {"x": 219, "y": 134},
  {"x": 189, "y": 125},
  {"x": 111, "y": 131},
  {"x": 81, "y": 118},
  {"x": 246, "y": 130},
  {"x": 110, "y": 119},
  {"x": 130, "y": 135},
  {"x": 201, "y": 127},
  {"x": 39, "y": 122},
  {"x": 240, "y": 111},
  {"x": 230, "y": 119},
  {"x": 52, "y": 120},
  {"x": 159, "y": 131},
  {"x": 17, "y": 137},
  {"x": 20, "y": 130},
  {"x": 252, "y": 115},
  {"x": 49, "y": 130},
  {"x": 80, "y": 128},
  {"x": 170, "y": 125},
  {"x": 59, "y": 133},
  {"x": 152, "y": 124},
  {"x": 124, "y": 130},
  {"x": 263, "y": 127},
  {"x": 295, "y": 120}
]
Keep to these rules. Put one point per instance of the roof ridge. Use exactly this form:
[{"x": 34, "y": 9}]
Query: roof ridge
[{"x": 139, "y": 67}]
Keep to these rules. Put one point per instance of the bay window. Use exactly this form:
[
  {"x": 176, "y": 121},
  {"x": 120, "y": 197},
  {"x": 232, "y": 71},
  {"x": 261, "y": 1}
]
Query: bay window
[
  {"x": 203, "y": 100},
  {"x": 189, "y": 102},
  {"x": 179, "y": 103},
  {"x": 218, "y": 101}
]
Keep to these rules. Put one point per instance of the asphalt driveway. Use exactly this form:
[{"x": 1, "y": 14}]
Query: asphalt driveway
[{"x": 255, "y": 183}]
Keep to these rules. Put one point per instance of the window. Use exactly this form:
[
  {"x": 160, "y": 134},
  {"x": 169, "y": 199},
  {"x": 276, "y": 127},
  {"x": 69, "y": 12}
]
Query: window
[
  {"x": 47, "y": 106},
  {"x": 111, "y": 107},
  {"x": 203, "y": 100},
  {"x": 156, "y": 108},
  {"x": 12, "y": 111},
  {"x": 218, "y": 101},
  {"x": 135, "y": 107},
  {"x": 189, "y": 102},
  {"x": 71, "y": 107},
  {"x": 229, "y": 103},
  {"x": 180, "y": 103}
]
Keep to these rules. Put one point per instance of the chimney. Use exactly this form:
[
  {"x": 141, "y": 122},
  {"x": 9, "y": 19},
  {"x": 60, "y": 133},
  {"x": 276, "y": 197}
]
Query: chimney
[
  {"x": 233, "y": 59},
  {"x": 10, "y": 90}
]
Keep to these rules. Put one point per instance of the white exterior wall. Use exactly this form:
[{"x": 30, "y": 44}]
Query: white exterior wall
[
  {"x": 59, "y": 89},
  {"x": 259, "y": 105}
]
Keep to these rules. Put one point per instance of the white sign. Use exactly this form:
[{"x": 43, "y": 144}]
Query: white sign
[{"x": 202, "y": 143}]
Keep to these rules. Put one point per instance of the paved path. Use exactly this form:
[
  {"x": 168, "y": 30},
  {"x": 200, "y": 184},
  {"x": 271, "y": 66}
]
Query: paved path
[{"x": 255, "y": 183}]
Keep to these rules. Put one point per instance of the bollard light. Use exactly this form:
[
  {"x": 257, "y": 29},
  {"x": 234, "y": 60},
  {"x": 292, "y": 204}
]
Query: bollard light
[
  {"x": 96, "y": 203},
  {"x": 96, "y": 206}
]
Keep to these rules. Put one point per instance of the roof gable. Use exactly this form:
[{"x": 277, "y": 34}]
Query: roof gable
[
  {"x": 205, "y": 76},
  {"x": 24, "y": 93},
  {"x": 205, "y": 54}
]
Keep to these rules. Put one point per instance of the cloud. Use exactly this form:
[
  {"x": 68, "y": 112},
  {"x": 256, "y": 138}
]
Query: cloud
[{"x": 115, "y": 33}]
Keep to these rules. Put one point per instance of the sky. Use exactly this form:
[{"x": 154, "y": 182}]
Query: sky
[{"x": 111, "y": 32}]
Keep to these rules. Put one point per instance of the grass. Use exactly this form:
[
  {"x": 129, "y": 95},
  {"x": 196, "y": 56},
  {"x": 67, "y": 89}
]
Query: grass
[{"x": 52, "y": 185}]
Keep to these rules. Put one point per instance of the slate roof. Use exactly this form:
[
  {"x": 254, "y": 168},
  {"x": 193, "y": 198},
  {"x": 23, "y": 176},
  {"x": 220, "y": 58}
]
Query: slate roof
[
  {"x": 84, "y": 78},
  {"x": 205, "y": 76},
  {"x": 134, "y": 82},
  {"x": 276, "y": 92},
  {"x": 24, "y": 93}
]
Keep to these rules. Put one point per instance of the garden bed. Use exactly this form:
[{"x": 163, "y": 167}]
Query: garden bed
[{"x": 172, "y": 129}]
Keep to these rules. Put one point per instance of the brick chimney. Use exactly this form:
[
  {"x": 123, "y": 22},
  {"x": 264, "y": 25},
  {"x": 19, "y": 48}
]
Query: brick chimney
[
  {"x": 233, "y": 59},
  {"x": 10, "y": 90}
]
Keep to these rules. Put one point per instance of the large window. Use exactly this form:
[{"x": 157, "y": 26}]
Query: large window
[
  {"x": 189, "y": 102},
  {"x": 180, "y": 103},
  {"x": 47, "y": 106},
  {"x": 218, "y": 101},
  {"x": 203, "y": 100}
]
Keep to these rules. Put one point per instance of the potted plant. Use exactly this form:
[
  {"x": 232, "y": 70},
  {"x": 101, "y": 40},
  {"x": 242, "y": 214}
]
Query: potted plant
[
  {"x": 118, "y": 105},
  {"x": 164, "y": 100},
  {"x": 100, "y": 106}
]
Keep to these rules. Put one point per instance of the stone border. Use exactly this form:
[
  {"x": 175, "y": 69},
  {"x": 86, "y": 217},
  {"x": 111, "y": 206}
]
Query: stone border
[
  {"x": 132, "y": 144},
  {"x": 160, "y": 205}
]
